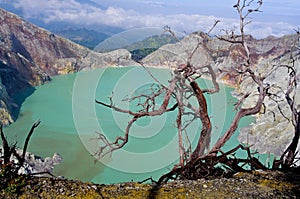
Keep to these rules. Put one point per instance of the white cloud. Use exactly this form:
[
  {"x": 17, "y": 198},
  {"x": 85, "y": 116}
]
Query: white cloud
[
  {"x": 154, "y": 3},
  {"x": 277, "y": 29},
  {"x": 86, "y": 14}
]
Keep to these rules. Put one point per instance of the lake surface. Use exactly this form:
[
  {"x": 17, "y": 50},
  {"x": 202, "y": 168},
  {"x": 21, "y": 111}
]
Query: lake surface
[{"x": 70, "y": 119}]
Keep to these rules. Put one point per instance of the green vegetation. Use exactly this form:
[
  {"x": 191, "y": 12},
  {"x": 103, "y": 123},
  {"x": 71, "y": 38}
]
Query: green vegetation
[
  {"x": 139, "y": 54},
  {"x": 155, "y": 41},
  {"x": 141, "y": 49}
]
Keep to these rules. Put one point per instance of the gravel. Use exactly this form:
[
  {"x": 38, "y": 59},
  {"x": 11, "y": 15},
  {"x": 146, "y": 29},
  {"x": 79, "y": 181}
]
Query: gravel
[{"x": 258, "y": 184}]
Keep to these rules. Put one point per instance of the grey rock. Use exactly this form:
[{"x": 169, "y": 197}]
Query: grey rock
[{"x": 35, "y": 164}]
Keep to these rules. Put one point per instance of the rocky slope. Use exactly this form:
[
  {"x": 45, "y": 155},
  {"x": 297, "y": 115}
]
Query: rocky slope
[
  {"x": 222, "y": 55},
  {"x": 30, "y": 55},
  {"x": 5, "y": 102}
]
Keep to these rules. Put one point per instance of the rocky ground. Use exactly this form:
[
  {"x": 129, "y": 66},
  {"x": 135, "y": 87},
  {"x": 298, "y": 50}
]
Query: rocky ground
[{"x": 258, "y": 184}]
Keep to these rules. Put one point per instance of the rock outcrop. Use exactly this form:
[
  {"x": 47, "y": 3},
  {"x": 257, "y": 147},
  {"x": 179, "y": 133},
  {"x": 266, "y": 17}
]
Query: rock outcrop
[
  {"x": 30, "y": 55},
  {"x": 4, "y": 103},
  {"x": 34, "y": 164}
]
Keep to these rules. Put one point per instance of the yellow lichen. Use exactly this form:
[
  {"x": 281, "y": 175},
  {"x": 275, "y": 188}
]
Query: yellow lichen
[{"x": 273, "y": 184}]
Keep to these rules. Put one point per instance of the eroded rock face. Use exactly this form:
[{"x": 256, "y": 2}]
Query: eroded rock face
[
  {"x": 4, "y": 103},
  {"x": 273, "y": 129},
  {"x": 221, "y": 55},
  {"x": 30, "y": 55}
]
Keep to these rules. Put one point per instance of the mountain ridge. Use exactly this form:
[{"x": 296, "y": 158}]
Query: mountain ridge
[{"x": 221, "y": 55}]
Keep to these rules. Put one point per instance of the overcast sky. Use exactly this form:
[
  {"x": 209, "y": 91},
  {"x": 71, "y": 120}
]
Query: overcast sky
[{"x": 279, "y": 17}]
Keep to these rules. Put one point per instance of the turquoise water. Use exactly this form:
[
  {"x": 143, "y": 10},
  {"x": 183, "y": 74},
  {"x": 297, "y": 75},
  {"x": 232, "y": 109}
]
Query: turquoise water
[{"x": 70, "y": 119}]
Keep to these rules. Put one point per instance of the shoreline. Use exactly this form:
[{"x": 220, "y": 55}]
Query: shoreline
[{"x": 220, "y": 81}]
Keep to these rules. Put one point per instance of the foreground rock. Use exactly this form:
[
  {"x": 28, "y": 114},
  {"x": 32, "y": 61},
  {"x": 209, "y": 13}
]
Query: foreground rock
[
  {"x": 258, "y": 184},
  {"x": 33, "y": 163}
]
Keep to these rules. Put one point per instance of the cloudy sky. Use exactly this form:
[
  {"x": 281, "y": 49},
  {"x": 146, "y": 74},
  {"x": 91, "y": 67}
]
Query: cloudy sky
[{"x": 278, "y": 17}]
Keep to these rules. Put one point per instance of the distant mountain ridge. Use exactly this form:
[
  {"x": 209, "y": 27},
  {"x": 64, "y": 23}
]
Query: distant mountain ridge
[
  {"x": 155, "y": 41},
  {"x": 83, "y": 36},
  {"x": 141, "y": 49},
  {"x": 30, "y": 55}
]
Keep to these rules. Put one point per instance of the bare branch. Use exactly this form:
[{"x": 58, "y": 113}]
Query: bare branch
[
  {"x": 214, "y": 80},
  {"x": 243, "y": 112},
  {"x": 136, "y": 115},
  {"x": 215, "y": 24},
  {"x": 36, "y": 124},
  {"x": 116, "y": 144},
  {"x": 6, "y": 148},
  {"x": 169, "y": 30},
  {"x": 239, "y": 103}
]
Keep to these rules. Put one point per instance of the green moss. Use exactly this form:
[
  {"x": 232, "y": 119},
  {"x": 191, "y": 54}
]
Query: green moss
[{"x": 278, "y": 185}]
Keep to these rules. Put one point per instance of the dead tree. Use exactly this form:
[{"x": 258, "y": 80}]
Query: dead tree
[
  {"x": 289, "y": 93},
  {"x": 245, "y": 69},
  {"x": 289, "y": 154},
  {"x": 182, "y": 88}
]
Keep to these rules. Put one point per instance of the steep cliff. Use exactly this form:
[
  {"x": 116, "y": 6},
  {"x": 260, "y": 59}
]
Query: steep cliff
[
  {"x": 5, "y": 101},
  {"x": 30, "y": 55}
]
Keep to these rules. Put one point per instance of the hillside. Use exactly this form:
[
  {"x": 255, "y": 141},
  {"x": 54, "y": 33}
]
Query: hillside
[
  {"x": 30, "y": 55},
  {"x": 222, "y": 55},
  {"x": 141, "y": 49},
  {"x": 82, "y": 36},
  {"x": 155, "y": 41}
]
